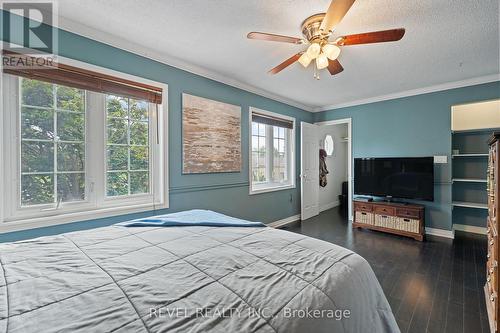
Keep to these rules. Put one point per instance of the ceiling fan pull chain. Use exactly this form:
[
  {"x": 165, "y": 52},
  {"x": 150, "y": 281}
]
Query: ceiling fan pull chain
[{"x": 316, "y": 72}]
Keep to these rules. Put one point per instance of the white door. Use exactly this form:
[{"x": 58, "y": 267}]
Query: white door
[{"x": 309, "y": 170}]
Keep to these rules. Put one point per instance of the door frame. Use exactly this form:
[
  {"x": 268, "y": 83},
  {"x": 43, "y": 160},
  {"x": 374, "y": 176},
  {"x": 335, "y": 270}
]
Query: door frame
[{"x": 347, "y": 121}]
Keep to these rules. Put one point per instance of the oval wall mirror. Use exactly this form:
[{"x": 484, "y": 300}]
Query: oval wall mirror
[{"x": 329, "y": 145}]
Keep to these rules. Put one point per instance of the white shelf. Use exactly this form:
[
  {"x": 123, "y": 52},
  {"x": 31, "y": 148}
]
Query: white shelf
[
  {"x": 469, "y": 204},
  {"x": 470, "y": 155},
  {"x": 475, "y": 130},
  {"x": 469, "y": 180}
]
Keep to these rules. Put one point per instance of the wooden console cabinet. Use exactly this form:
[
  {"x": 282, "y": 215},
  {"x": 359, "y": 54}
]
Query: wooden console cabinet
[
  {"x": 395, "y": 218},
  {"x": 492, "y": 284}
]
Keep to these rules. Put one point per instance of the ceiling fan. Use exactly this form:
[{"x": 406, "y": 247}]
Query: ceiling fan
[{"x": 317, "y": 30}]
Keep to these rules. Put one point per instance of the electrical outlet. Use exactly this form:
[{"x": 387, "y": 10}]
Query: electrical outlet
[{"x": 441, "y": 159}]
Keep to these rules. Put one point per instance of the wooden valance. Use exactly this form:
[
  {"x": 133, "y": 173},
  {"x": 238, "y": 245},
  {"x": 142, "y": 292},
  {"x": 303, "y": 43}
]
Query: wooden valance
[{"x": 81, "y": 78}]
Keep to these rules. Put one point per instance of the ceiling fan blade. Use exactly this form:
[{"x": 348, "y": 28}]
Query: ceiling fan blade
[
  {"x": 285, "y": 63},
  {"x": 334, "y": 67},
  {"x": 335, "y": 13},
  {"x": 274, "y": 38},
  {"x": 372, "y": 37}
]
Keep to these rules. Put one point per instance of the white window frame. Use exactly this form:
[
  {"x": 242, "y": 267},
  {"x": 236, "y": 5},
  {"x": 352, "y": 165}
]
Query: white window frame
[
  {"x": 272, "y": 186},
  {"x": 13, "y": 217}
]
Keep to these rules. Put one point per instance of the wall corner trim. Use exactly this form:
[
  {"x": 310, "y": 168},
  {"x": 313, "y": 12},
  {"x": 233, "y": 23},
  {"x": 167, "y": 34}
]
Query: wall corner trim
[{"x": 440, "y": 232}]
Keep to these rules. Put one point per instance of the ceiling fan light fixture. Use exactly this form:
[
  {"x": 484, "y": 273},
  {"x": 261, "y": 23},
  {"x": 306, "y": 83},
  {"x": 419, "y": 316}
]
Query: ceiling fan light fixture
[
  {"x": 313, "y": 50},
  {"x": 305, "y": 60},
  {"x": 331, "y": 51},
  {"x": 320, "y": 45},
  {"x": 322, "y": 61}
]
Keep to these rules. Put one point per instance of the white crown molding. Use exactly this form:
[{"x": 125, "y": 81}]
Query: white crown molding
[
  {"x": 413, "y": 92},
  {"x": 121, "y": 43}
]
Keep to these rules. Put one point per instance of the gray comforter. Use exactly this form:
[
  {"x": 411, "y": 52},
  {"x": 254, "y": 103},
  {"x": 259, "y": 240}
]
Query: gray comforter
[{"x": 188, "y": 279}]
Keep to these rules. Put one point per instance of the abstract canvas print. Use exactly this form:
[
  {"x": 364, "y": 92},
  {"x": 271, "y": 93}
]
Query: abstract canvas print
[{"x": 211, "y": 136}]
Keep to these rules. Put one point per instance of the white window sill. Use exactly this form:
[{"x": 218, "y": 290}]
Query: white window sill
[
  {"x": 265, "y": 188},
  {"x": 63, "y": 218}
]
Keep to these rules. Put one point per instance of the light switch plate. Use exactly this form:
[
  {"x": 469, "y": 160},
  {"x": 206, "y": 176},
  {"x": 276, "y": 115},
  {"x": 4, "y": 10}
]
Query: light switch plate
[{"x": 441, "y": 159}]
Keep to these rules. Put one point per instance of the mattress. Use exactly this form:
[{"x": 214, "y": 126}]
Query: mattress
[{"x": 188, "y": 279}]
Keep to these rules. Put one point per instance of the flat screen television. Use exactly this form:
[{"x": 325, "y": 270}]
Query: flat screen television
[{"x": 397, "y": 177}]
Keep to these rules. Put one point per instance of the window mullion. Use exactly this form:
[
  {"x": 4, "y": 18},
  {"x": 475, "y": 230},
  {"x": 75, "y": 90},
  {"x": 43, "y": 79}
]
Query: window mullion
[
  {"x": 9, "y": 148},
  {"x": 269, "y": 153},
  {"x": 54, "y": 110},
  {"x": 288, "y": 154},
  {"x": 96, "y": 147},
  {"x": 152, "y": 151},
  {"x": 128, "y": 144}
]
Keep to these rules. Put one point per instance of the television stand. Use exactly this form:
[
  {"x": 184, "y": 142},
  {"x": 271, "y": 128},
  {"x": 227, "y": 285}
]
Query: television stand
[
  {"x": 396, "y": 218},
  {"x": 388, "y": 201},
  {"x": 364, "y": 199}
]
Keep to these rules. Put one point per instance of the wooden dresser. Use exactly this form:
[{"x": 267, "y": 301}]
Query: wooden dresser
[
  {"x": 492, "y": 283},
  {"x": 395, "y": 218}
]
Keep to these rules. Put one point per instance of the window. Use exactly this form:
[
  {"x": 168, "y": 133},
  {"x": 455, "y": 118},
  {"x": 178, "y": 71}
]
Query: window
[
  {"x": 280, "y": 140},
  {"x": 127, "y": 146},
  {"x": 52, "y": 143},
  {"x": 272, "y": 152},
  {"x": 259, "y": 153},
  {"x": 71, "y": 151}
]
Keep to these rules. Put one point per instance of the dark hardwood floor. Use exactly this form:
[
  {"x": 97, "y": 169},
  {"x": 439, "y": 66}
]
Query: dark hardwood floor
[{"x": 432, "y": 286}]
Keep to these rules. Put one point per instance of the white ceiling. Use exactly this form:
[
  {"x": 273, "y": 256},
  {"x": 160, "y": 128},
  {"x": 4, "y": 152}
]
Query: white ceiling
[{"x": 445, "y": 41}]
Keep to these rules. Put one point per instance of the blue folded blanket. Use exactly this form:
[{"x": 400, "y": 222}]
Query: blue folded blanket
[{"x": 189, "y": 218}]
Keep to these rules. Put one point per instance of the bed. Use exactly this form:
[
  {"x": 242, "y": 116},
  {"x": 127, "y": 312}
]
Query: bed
[{"x": 194, "y": 271}]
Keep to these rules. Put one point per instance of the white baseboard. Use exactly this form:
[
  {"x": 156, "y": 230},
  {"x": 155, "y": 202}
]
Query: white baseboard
[
  {"x": 440, "y": 232},
  {"x": 285, "y": 221},
  {"x": 329, "y": 206},
  {"x": 429, "y": 231},
  {"x": 470, "y": 228}
]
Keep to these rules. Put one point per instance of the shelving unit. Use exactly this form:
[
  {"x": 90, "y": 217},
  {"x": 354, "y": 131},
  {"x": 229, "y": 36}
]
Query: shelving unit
[
  {"x": 470, "y": 155},
  {"x": 469, "y": 199},
  {"x": 466, "y": 204},
  {"x": 469, "y": 180}
]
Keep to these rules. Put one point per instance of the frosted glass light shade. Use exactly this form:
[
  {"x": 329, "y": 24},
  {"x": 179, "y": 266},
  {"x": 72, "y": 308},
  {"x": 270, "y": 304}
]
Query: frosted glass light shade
[
  {"x": 331, "y": 51},
  {"x": 304, "y": 59},
  {"x": 313, "y": 50},
  {"x": 322, "y": 61}
]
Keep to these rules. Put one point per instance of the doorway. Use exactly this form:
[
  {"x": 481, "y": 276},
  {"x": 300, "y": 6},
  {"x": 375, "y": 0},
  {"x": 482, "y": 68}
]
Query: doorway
[{"x": 335, "y": 138}]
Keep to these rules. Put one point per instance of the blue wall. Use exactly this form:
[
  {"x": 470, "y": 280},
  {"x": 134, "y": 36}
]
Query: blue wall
[
  {"x": 227, "y": 193},
  {"x": 413, "y": 126}
]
